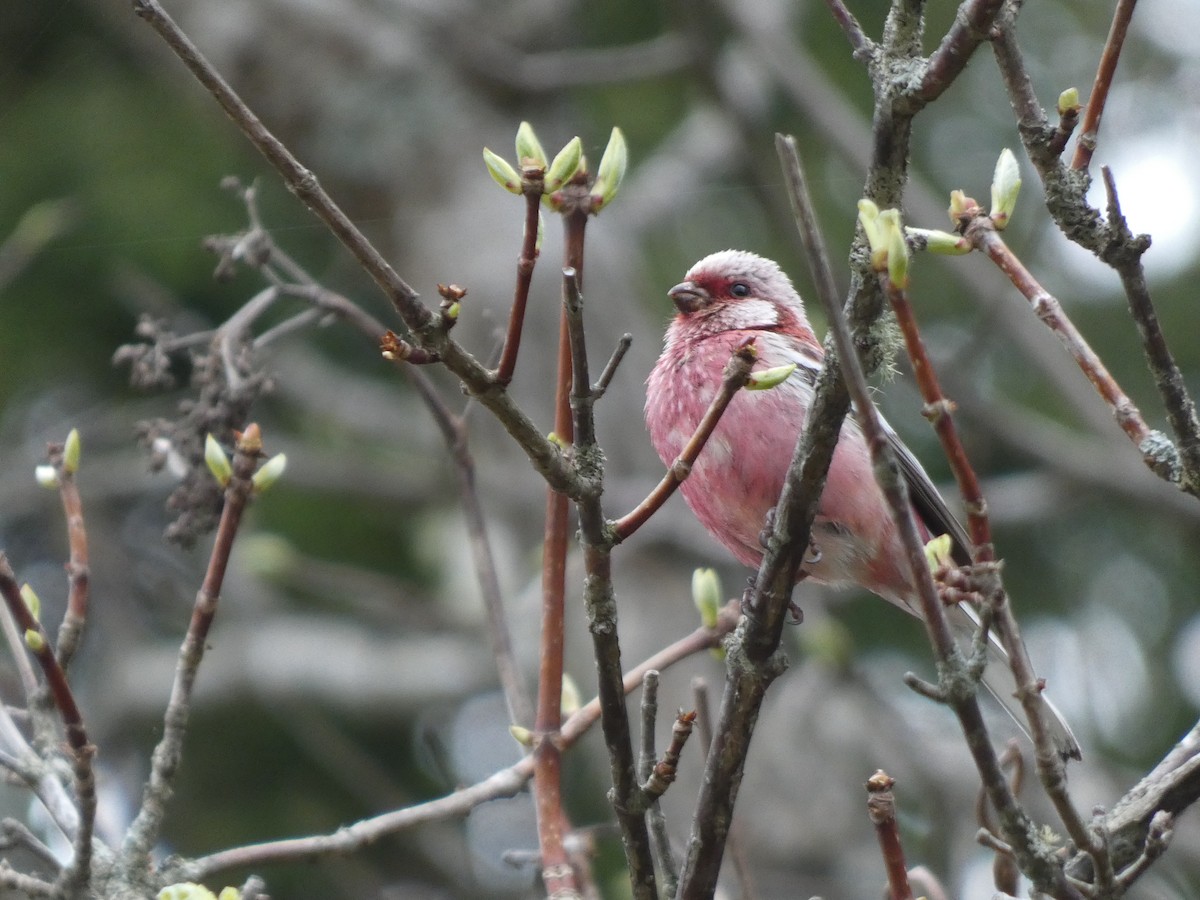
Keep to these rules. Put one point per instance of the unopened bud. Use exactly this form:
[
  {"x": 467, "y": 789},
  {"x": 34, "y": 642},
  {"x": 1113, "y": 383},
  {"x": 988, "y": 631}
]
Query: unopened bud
[
  {"x": 611, "y": 172},
  {"x": 529, "y": 148},
  {"x": 960, "y": 205},
  {"x": 570, "y": 701},
  {"x": 269, "y": 473},
  {"x": 521, "y": 735},
  {"x": 1068, "y": 101},
  {"x": 46, "y": 477},
  {"x": 502, "y": 171},
  {"x": 895, "y": 248},
  {"x": 34, "y": 640},
  {"x": 565, "y": 164},
  {"x": 940, "y": 242},
  {"x": 706, "y": 595},
  {"x": 938, "y": 552},
  {"x": 868, "y": 217},
  {"x": 217, "y": 461},
  {"x": 766, "y": 379},
  {"x": 1006, "y": 185},
  {"x": 71, "y": 452},
  {"x": 32, "y": 601}
]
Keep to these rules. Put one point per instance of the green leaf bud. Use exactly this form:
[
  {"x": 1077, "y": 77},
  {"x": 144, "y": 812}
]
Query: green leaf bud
[
  {"x": 766, "y": 379},
  {"x": 502, "y": 171},
  {"x": 940, "y": 242},
  {"x": 32, "y": 601},
  {"x": 611, "y": 172},
  {"x": 1006, "y": 185},
  {"x": 47, "y": 477},
  {"x": 34, "y": 640},
  {"x": 706, "y": 594},
  {"x": 217, "y": 461},
  {"x": 269, "y": 473},
  {"x": 565, "y": 164},
  {"x": 72, "y": 450},
  {"x": 1068, "y": 101},
  {"x": 529, "y": 148}
]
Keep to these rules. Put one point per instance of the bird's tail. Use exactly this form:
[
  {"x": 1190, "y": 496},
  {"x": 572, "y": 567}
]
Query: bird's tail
[{"x": 998, "y": 679}]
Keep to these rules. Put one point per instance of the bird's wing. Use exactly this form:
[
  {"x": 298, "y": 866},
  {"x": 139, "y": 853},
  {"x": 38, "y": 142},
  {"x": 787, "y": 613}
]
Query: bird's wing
[{"x": 928, "y": 503}]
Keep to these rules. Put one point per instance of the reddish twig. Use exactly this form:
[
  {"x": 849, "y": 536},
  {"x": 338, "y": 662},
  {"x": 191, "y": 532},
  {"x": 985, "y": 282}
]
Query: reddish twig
[
  {"x": 78, "y": 570},
  {"x": 982, "y": 234},
  {"x": 557, "y": 873},
  {"x": 629, "y": 803},
  {"x": 881, "y": 809},
  {"x": 1089, "y": 132},
  {"x": 78, "y": 873},
  {"x": 734, "y": 378},
  {"x": 958, "y": 692},
  {"x": 525, "y": 266},
  {"x": 939, "y": 412},
  {"x": 144, "y": 832}
]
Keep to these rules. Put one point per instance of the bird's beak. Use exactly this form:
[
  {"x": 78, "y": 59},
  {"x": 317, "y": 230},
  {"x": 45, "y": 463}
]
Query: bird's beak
[{"x": 688, "y": 297}]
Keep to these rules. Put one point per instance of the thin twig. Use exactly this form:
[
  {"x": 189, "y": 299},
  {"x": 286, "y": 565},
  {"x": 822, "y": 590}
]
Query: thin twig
[
  {"x": 860, "y": 44},
  {"x": 505, "y": 783},
  {"x": 628, "y": 800},
  {"x": 881, "y": 809},
  {"x": 1090, "y": 130},
  {"x": 735, "y": 845},
  {"x": 733, "y": 379},
  {"x": 525, "y": 266},
  {"x": 960, "y": 693},
  {"x": 78, "y": 570},
  {"x": 77, "y": 874},
  {"x": 557, "y": 874},
  {"x": 1177, "y": 401},
  {"x": 660, "y": 842},
  {"x": 146, "y": 828},
  {"x": 1155, "y": 448},
  {"x": 427, "y": 329}
]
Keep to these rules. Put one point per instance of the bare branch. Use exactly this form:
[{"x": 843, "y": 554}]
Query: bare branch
[{"x": 1090, "y": 130}]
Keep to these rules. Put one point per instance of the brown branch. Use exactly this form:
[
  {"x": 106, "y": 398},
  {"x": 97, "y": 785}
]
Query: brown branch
[
  {"x": 1156, "y": 450},
  {"x": 972, "y": 26},
  {"x": 144, "y": 832},
  {"x": 660, "y": 842},
  {"x": 505, "y": 783},
  {"x": 77, "y": 874},
  {"x": 78, "y": 569},
  {"x": 939, "y": 412},
  {"x": 1178, "y": 403},
  {"x": 427, "y": 329},
  {"x": 861, "y": 45},
  {"x": 734, "y": 378},
  {"x": 525, "y": 265},
  {"x": 629, "y": 802},
  {"x": 955, "y": 683},
  {"x": 1090, "y": 130},
  {"x": 881, "y": 809}
]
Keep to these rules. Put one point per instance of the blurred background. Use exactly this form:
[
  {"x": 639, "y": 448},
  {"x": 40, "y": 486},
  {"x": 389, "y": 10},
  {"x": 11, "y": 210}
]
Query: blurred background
[{"x": 347, "y": 674}]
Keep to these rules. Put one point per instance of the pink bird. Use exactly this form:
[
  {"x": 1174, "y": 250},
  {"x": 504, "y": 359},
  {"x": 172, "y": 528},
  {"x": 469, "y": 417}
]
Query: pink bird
[{"x": 724, "y": 299}]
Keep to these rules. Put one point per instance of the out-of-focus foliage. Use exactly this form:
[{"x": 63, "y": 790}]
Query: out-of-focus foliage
[{"x": 346, "y": 674}]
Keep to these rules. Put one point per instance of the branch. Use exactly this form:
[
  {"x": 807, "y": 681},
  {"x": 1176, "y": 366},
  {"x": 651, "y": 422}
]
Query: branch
[
  {"x": 881, "y": 809},
  {"x": 1090, "y": 131},
  {"x": 78, "y": 873},
  {"x": 628, "y": 800},
  {"x": 427, "y": 329},
  {"x": 1157, "y": 451},
  {"x": 734, "y": 378},
  {"x": 144, "y": 832},
  {"x": 505, "y": 783},
  {"x": 78, "y": 570},
  {"x": 1036, "y": 860}
]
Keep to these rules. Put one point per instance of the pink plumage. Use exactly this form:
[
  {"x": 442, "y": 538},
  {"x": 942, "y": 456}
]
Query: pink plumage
[{"x": 724, "y": 299}]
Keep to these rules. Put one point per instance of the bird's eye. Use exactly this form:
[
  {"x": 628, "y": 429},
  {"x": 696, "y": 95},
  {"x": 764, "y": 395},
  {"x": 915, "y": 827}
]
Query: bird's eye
[{"x": 739, "y": 289}]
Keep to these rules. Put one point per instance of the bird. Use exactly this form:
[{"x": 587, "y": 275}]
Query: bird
[{"x": 734, "y": 484}]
